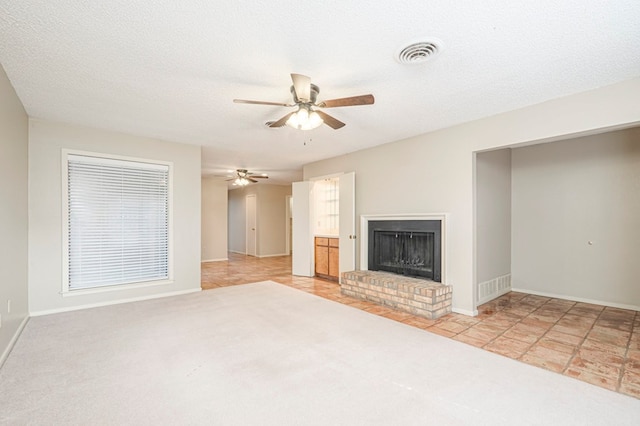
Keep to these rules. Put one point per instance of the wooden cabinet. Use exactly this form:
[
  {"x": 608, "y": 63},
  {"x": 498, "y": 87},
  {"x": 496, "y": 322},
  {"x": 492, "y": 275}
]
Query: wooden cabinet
[{"x": 327, "y": 255}]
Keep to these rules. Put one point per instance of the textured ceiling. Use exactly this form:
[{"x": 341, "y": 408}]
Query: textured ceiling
[{"x": 170, "y": 69}]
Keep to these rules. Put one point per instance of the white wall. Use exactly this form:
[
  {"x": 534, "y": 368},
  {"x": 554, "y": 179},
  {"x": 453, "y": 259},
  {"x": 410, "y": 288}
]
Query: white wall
[
  {"x": 493, "y": 223},
  {"x": 567, "y": 194},
  {"x": 271, "y": 212},
  {"x": 214, "y": 219},
  {"x": 439, "y": 166},
  {"x": 14, "y": 143},
  {"x": 46, "y": 140}
]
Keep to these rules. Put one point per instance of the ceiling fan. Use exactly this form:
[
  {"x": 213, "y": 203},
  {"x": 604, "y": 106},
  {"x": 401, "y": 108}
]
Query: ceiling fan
[
  {"x": 244, "y": 177},
  {"x": 307, "y": 115}
]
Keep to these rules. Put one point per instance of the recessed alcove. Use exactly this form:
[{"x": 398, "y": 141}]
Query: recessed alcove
[{"x": 560, "y": 219}]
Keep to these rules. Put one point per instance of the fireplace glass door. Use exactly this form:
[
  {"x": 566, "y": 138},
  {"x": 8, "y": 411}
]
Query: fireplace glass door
[{"x": 406, "y": 253}]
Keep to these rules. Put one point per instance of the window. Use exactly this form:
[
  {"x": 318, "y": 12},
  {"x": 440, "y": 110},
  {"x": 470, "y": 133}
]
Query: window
[{"x": 117, "y": 222}]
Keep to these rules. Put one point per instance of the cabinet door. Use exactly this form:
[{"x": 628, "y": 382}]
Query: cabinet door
[
  {"x": 334, "y": 262},
  {"x": 322, "y": 260}
]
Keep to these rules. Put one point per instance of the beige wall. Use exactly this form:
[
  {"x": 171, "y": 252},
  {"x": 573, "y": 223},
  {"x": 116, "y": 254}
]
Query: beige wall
[
  {"x": 271, "y": 218},
  {"x": 440, "y": 171},
  {"x": 567, "y": 194},
  {"x": 46, "y": 141},
  {"x": 14, "y": 143},
  {"x": 214, "y": 219},
  {"x": 493, "y": 222}
]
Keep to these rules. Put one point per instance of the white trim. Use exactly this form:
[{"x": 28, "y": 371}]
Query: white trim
[
  {"x": 578, "y": 299},
  {"x": 238, "y": 252},
  {"x": 364, "y": 236},
  {"x": 13, "y": 341},
  {"x": 466, "y": 312},
  {"x": 214, "y": 260},
  {"x": 113, "y": 302},
  {"x": 113, "y": 157},
  {"x": 116, "y": 287}
]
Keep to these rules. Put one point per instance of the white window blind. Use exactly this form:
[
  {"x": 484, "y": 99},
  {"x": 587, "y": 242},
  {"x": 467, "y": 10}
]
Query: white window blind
[{"x": 118, "y": 222}]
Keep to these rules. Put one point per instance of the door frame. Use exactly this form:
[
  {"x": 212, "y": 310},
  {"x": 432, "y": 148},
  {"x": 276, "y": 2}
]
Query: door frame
[{"x": 303, "y": 245}]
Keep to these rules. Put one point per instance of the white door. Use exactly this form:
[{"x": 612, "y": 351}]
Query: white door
[
  {"x": 251, "y": 232},
  {"x": 287, "y": 224},
  {"x": 347, "y": 222},
  {"x": 302, "y": 254}
]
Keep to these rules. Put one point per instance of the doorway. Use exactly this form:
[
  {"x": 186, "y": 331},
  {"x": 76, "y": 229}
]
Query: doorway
[
  {"x": 251, "y": 225},
  {"x": 313, "y": 219}
]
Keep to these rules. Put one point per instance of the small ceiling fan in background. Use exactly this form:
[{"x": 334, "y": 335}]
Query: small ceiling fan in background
[
  {"x": 243, "y": 177},
  {"x": 308, "y": 116}
]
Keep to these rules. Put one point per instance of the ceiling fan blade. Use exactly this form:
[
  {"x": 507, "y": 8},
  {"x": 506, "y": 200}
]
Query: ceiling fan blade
[
  {"x": 282, "y": 121},
  {"x": 244, "y": 101},
  {"x": 342, "y": 102},
  {"x": 259, "y": 177},
  {"x": 302, "y": 86},
  {"x": 334, "y": 123},
  {"x": 251, "y": 180}
]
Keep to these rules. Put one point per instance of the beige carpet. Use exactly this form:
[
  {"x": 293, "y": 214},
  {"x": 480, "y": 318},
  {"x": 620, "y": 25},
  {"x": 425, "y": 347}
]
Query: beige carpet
[{"x": 266, "y": 354}]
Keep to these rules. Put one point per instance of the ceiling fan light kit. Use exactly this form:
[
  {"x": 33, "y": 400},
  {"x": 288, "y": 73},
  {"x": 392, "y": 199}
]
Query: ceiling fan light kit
[
  {"x": 305, "y": 119},
  {"x": 308, "y": 116},
  {"x": 241, "y": 182}
]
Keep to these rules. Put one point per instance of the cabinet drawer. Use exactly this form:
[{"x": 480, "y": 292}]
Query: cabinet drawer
[
  {"x": 321, "y": 241},
  {"x": 334, "y": 242}
]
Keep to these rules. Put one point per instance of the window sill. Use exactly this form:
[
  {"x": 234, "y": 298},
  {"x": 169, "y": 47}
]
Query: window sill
[{"x": 110, "y": 288}]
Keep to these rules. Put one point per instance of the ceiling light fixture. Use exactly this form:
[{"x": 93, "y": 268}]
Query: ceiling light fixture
[
  {"x": 241, "y": 181},
  {"x": 305, "y": 118}
]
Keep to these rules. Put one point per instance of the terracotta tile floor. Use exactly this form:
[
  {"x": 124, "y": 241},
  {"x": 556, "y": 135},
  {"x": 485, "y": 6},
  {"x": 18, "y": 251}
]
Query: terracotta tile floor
[{"x": 596, "y": 344}]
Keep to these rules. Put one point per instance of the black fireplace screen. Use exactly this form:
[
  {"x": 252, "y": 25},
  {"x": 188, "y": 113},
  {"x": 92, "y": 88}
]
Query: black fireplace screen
[{"x": 405, "y": 247}]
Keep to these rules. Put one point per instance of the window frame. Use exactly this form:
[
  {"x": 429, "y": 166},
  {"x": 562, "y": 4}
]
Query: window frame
[{"x": 66, "y": 290}]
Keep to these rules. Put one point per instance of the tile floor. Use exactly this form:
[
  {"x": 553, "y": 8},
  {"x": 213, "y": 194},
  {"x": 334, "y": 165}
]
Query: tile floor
[{"x": 596, "y": 344}]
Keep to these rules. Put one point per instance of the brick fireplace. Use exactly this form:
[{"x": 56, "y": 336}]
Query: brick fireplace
[{"x": 401, "y": 264}]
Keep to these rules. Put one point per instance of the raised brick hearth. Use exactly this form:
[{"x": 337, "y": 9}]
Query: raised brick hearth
[{"x": 425, "y": 298}]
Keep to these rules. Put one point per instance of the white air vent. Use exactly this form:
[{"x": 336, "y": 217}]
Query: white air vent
[{"x": 419, "y": 52}]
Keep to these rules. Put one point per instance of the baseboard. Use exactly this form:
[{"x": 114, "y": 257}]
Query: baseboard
[
  {"x": 473, "y": 313},
  {"x": 236, "y": 252},
  {"x": 214, "y": 260},
  {"x": 115, "y": 302},
  {"x": 13, "y": 341},
  {"x": 578, "y": 299},
  {"x": 491, "y": 289},
  {"x": 273, "y": 255}
]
